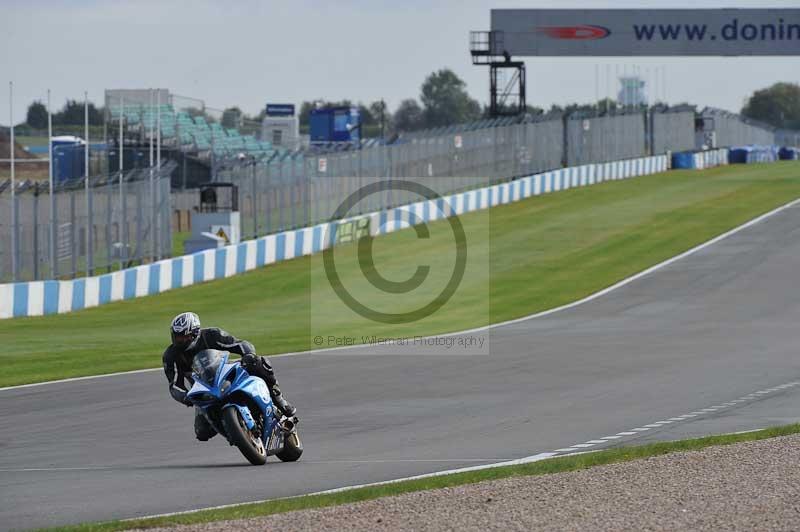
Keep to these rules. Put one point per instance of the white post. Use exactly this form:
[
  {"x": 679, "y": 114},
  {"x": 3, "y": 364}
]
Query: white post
[
  {"x": 89, "y": 250},
  {"x": 53, "y": 268},
  {"x": 121, "y": 168},
  {"x": 14, "y": 227},
  {"x": 152, "y": 189},
  {"x": 159, "y": 221}
]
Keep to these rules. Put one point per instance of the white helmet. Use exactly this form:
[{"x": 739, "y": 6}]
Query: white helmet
[{"x": 185, "y": 330}]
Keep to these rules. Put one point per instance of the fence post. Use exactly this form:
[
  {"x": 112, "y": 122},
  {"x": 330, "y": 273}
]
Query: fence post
[
  {"x": 109, "y": 220},
  {"x": 254, "y": 200},
  {"x": 139, "y": 215},
  {"x": 73, "y": 240},
  {"x": 89, "y": 229},
  {"x": 36, "y": 232},
  {"x": 15, "y": 258}
]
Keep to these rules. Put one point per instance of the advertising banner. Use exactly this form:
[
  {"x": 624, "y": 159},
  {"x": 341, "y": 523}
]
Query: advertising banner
[{"x": 646, "y": 32}]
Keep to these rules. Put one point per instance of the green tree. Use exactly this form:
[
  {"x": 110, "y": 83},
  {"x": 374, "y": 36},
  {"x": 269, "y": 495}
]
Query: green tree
[
  {"x": 446, "y": 101},
  {"x": 778, "y": 105},
  {"x": 37, "y": 115},
  {"x": 72, "y": 114},
  {"x": 381, "y": 115},
  {"x": 231, "y": 117},
  {"x": 409, "y": 116}
]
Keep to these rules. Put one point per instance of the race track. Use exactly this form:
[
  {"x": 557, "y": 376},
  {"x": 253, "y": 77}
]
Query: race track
[{"x": 708, "y": 329}]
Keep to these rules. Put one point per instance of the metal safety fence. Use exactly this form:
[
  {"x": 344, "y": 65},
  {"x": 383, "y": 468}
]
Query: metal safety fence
[{"x": 111, "y": 224}]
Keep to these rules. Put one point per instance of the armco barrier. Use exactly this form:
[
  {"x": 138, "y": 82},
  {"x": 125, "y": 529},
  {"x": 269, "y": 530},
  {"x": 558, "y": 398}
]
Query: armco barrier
[{"x": 51, "y": 297}]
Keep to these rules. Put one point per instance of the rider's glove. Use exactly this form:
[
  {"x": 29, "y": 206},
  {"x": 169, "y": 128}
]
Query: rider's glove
[
  {"x": 178, "y": 394},
  {"x": 248, "y": 359}
]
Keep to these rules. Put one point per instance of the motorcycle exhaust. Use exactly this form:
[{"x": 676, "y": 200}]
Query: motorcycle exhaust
[{"x": 288, "y": 424}]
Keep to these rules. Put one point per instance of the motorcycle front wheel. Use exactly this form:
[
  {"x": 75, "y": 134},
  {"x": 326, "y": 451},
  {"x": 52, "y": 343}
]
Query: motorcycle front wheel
[{"x": 250, "y": 446}]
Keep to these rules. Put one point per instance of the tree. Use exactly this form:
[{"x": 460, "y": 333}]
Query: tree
[
  {"x": 445, "y": 100},
  {"x": 382, "y": 115},
  {"x": 72, "y": 114},
  {"x": 231, "y": 117},
  {"x": 409, "y": 116},
  {"x": 37, "y": 115},
  {"x": 778, "y": 105},
  {"x": 366, "y": 115}
]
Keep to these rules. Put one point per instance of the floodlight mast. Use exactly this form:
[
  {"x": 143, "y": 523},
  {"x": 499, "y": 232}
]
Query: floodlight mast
[{"x": 506, "y": 98}]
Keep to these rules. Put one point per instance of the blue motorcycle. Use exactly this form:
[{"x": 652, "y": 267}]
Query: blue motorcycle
[{"x": 239, "y": 408}]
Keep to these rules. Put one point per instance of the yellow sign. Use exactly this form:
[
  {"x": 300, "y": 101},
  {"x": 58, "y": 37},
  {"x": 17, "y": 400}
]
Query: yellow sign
[{"x": 221, "y": 234}]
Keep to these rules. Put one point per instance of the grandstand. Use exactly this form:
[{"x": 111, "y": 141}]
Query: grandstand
[{"x": 187, "y": 130}]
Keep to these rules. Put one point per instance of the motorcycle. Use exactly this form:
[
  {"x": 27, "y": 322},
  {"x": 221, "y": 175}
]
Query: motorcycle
[{"x": 239, "y": 408}]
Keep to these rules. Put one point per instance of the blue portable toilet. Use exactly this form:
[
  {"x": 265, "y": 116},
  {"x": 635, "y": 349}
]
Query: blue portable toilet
[
  {"x": 335, "y": 124},
  {"x": 68, "y": 158}
]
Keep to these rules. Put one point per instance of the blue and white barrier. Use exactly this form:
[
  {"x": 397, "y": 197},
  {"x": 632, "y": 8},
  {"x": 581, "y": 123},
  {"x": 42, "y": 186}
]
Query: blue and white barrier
[
  {"x": 753, "y": 154},
  {"x": 39, "y": 298},
  {"x": 699, "y": 160},
  {"x": 710, "y": 158}
]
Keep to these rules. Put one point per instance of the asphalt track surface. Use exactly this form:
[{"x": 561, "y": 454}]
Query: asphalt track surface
[{"x": 709, "y": 328}]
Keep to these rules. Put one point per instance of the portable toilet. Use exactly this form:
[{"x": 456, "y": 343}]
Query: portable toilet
[{"x": 68, "y": 157}]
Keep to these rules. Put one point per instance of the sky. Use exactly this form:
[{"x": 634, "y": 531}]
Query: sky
[{"x": 251, "y": 52}]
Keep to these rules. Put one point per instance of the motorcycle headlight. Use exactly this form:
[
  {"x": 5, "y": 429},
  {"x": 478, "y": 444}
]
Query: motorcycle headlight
[{"x": 203, "y": 397}]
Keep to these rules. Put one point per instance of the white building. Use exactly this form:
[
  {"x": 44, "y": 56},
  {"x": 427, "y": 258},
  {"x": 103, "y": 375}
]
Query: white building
[{"x": 632, "y": 91}]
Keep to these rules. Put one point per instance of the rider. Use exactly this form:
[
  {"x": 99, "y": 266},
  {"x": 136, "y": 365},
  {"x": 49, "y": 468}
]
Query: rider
[{"x": 188, "y": 339}]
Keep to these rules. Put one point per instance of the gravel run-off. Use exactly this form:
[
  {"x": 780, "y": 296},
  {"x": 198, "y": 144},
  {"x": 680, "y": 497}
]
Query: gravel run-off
[{"x": 744, "y": 486}]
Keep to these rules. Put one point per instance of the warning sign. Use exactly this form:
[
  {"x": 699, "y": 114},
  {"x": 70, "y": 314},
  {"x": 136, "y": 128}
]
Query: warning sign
[{"x": 222, "y": 231}]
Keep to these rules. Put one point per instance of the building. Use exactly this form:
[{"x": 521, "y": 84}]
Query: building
[{"x": 632, "y": 91}]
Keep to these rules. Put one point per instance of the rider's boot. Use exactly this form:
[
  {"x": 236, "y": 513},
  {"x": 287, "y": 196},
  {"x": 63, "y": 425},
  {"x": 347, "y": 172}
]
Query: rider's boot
[{"x": 283, "y": 405}]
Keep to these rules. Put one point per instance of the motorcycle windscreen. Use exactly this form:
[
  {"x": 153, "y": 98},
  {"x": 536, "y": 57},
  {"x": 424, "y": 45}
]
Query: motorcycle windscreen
[{"x": 206, "y": 364}]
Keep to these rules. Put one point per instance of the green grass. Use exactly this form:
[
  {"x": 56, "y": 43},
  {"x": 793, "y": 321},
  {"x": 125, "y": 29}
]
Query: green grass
[
  {"x": 178, "y": 239},
  {"x": 544, "y": 467},
  {"x": 31, "y": 141},
  {"x": 524, "y": 257}
]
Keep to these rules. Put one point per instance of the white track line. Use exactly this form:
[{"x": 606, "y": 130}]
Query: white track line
[
  {"x": 661, "y": 424},
  {"x": 583, "y": 301}
]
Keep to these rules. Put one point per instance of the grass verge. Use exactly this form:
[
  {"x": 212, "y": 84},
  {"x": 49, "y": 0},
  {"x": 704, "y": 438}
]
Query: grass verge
[
  {"x": 544, "y": 467},
  {"x": 524, "y": 257}
]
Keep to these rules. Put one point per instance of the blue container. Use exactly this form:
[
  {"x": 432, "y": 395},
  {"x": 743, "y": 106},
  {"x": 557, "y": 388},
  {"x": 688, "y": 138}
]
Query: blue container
[
  {"x": 789, "y": 154},
  {"x": 335, "y": 124},
  {"x": 739, "y": 155},
  {"x": 683, "y": 159},
  {"x": 68, "y": 158}
]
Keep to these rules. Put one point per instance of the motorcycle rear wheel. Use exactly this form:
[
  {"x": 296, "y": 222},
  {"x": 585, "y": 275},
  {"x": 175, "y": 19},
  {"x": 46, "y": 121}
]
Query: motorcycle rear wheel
[
  {"x": 292, "y": 448},
  {"x": 250, "y": 446}
]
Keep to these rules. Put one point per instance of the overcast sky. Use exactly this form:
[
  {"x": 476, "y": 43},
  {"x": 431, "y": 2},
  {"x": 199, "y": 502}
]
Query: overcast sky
[{"x": 249, "y": 52}]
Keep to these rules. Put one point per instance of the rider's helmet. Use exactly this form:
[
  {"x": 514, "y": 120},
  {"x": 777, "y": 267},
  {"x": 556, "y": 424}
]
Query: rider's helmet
[{"x": 185, "y": 330}]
